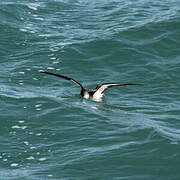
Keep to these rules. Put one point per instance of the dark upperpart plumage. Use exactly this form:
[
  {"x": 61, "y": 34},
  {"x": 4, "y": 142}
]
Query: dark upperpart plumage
[{"x": 95, "y": 94}]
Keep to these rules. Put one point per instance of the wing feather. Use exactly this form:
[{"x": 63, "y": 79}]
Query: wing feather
[
  {"x": 65, "y": 77},
  {"x": 102, "y": 87}
]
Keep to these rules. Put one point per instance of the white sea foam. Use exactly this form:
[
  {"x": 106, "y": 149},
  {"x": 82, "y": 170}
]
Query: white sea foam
[
  {"x": 38, "y": 134},
  {"x": 26, "y": 143},
  {"x": 30, "y": 158},
  {"x": 53, "y": 58},
  {"x": 14, "y": 164},
  {"x": 42, "y": 159},
  {"x": 32, "y": 7},
  {"x": 23, "y": 30},
  {"x": 21, "y": 121},
  {"x": 38, "y": 109},
  {"x": 38, "y": 105},
  {"x": 50, "y": 68},
  {"x": 18, "y": 127},
  {"x": 38, "y": 18}
]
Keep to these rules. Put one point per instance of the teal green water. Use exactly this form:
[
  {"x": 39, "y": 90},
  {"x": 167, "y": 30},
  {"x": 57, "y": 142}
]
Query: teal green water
[{"x": 48, "y": 132}]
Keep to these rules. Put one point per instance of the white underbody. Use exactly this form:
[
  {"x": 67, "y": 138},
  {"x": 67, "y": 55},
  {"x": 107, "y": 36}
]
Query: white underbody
[
  {"x": 86, "y": 95},
  {"x": 96, "y": 96}
]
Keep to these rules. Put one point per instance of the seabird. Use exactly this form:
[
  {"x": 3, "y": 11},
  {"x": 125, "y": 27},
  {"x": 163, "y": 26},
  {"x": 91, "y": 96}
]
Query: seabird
[{"x": 95, "y": 94}]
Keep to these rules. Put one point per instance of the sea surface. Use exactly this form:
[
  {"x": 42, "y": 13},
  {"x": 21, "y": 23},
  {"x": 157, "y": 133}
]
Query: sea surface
[{"x": 48, "y": 132}]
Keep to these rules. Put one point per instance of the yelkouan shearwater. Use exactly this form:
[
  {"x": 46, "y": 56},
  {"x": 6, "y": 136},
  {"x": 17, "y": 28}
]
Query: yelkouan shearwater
[{"x": 95, "y": 94}]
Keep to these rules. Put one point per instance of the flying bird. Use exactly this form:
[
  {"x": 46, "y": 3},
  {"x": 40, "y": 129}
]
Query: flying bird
[{"x": 94, "y": 94}]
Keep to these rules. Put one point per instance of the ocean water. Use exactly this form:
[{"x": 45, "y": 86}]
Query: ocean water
[{"x": 48, "y": 131}]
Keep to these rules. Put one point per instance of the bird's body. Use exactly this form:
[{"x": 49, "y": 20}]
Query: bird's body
[{"x": 95, "y": 94}]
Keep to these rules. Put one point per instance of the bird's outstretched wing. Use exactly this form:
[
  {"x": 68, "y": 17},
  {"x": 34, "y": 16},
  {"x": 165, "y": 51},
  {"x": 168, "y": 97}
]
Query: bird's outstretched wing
[
  {"x": 64, "y": 77},
  {"x": 102, "y": 87}
]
